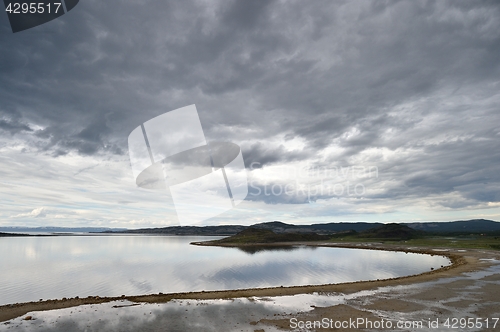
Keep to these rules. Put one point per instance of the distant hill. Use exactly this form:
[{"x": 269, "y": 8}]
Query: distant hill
[
  {"x": 468, "y": 226},
  {"x": 261, "y": 235},
  {"x": 52, "y": 229},
  {"x": 463, "y": 226},
  {"x": 188, "y": 230},
  {"x": 2, "y": 234},
  {"x": 476, "y": 226},
  {"x": 328, "y": 228},
  {"x": 277, "y": 227},
  {"x": 391, "y": 232},
  {"x": 281, "y": 227},
  {"x": 345, "y": 226}
]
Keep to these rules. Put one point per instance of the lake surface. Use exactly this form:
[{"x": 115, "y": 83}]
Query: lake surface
[{"x": 34, "y": 268}]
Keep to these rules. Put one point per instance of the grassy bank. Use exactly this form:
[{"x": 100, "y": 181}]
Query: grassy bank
[
  {"x": 395, "y": 234},
  {"x": 459, "y": 241}
]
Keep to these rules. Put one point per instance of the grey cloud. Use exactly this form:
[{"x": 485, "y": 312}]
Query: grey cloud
[
  {"x": 13, "y": 126},
  {"x": 258, "y": 155},
  {"x": 309, "y": 70},
  {"x": 274, "y": 193}
]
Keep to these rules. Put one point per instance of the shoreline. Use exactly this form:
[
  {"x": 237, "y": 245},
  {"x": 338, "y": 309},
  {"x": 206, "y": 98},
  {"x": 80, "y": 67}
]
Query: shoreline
[{"x": 459, "y": 264}]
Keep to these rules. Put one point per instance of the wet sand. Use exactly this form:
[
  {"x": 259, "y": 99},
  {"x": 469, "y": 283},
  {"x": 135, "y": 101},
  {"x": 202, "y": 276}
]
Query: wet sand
[
  {"x": 470, "y": 290},
  {"x": 453, "y": 290}
]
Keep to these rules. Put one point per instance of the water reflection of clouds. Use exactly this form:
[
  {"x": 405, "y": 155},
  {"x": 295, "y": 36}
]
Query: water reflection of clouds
[
  {"x": 209, "y": 316},
  {"x": 132, "y": 265},
  {"x": 30, "y": 253},
  {"x": 241, "y": 314}
]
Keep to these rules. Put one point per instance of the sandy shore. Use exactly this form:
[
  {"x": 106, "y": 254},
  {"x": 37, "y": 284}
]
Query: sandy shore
[{"x": 433, "y": 294}]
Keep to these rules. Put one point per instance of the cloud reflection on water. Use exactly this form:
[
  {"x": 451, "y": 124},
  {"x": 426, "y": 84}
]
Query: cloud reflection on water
[{"x": 115, "y": 265}]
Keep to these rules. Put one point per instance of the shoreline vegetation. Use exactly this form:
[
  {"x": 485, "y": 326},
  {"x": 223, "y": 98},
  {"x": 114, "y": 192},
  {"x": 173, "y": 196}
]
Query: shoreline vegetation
[
  {"x": 464, "y": 252},
  {"x": 385, "y": 234}
]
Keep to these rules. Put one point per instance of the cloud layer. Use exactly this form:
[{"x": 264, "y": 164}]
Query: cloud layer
[{"x": 408, "y": 87}]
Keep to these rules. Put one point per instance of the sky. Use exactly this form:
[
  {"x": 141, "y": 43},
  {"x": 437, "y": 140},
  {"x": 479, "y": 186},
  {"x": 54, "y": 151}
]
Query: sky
[{"x": 344, "y": 110}]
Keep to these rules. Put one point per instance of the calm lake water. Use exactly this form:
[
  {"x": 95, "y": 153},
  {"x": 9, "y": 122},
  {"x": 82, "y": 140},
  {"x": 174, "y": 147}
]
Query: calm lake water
[{"x": 36, "y": 268}]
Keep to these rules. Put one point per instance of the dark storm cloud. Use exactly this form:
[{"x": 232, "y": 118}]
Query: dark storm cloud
[
  {"x": 258, "y": 155},
  {"x": 368, "y": 78},
  {"x": 98, "y": 65},
  {"x": 13, "y": 126}
]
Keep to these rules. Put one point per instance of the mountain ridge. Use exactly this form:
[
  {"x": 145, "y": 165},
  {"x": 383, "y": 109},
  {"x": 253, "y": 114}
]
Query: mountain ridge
[
  {"x": 456, "y": 227},
  {"x": 470, "y": 226}
]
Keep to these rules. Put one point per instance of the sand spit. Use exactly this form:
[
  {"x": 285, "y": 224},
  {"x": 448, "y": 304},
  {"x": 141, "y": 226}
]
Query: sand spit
[{"x": 455, "y": 289}]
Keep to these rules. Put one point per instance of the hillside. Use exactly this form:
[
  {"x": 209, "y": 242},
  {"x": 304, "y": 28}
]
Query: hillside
[
  {"x": 260, "y": 235},
  {"x": 462, "y": 226},
  {"x": 335, "y": 227},
  {"x": 188, "y": 230},
  {"x": 477, "y": 226},
  {"x": 392, "y": 232},
  {"x": 55, "y": 229}
]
